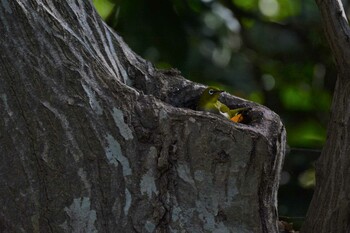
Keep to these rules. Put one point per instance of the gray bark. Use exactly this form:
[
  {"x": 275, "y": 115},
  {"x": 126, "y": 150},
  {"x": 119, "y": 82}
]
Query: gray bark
[
  {"x": 94, "y": 139},
  {"x": 329, "y": 210}
]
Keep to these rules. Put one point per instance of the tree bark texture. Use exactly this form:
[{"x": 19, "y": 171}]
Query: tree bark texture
[
  {"x": 94, "y": 139},
  {"x": 330, "y": 207}
]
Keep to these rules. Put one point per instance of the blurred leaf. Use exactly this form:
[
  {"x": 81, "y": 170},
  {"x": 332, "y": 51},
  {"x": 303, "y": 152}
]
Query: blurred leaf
[
  {"x": 149, "y": 24},
  {"x": 247, "y": 23},
  {"x": 289, "y": 8},
  {"x": 103, "y": 7},
  {"x": 296, "y": 98},
  {"x": 322, "y": 100},
  {"x": 246, "y": 4},
  {"x": 307, "y": 178},
  {"x": 256, "y": 97},
  {"x": 279, "y": 9},
  {"x": 163, "y": 65},
  {"x": 195, "y": 5},
  {"x": 272, "y": 40},
  {"x": 308, "y": 133}
]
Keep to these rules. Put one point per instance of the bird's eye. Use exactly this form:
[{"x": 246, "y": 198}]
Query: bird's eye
[{"x": 211, "y": 91}]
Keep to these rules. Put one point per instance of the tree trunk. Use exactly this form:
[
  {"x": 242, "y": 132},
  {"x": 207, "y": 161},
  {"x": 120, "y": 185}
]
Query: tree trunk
[
  {"x": 330, "y": 207},
  {"x": 94, "y": 139}
]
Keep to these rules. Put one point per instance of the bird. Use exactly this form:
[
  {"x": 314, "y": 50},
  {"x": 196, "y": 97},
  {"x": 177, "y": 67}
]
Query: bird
[{"x": 209, "y": 102}]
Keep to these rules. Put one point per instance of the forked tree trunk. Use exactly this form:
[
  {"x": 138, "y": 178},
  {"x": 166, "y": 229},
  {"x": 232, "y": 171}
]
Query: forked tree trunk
[
  {"x": 95, "y": 139},
  {"x": 329, "y": 211}
]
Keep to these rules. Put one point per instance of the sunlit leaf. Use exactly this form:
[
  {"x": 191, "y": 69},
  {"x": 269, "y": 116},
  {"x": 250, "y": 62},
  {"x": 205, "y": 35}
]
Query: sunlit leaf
[
  {"x": 289, "y": 8},
  {"x": 296, "y": 98},
  {"x": 308, "y": 133},
  {"x": 246, "y": 4},
  {"x": 279, "y": 10},
  {"x": 103, "y": 7},
  {"x": 256, "y": 96},
  {"x": 307, "y": 178},
  {"x": 269, "y": 8}
]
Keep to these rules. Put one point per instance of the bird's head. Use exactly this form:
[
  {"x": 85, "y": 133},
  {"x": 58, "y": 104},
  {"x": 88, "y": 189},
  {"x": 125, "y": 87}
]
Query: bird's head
[{"x": 211, "y": 94}]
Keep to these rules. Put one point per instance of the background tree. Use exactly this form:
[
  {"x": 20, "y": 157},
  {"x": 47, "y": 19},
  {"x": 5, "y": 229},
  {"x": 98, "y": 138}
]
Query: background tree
[
  {"x": 96, "y": 139},
  {"x": 330, "y": 207}
]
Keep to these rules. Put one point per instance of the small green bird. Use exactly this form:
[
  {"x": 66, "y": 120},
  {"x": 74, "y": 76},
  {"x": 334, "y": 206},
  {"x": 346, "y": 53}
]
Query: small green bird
[{"x": 209, "y": 102}]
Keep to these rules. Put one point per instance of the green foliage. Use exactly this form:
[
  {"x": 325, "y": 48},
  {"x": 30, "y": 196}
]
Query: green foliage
[
  {"x": 307, "y": 133},
  {"x": 104, "y": 7},
  {"x": 296, "y": 97},
  {"x": 307, "y": 178},
  {"x": 246, "y": 4}
]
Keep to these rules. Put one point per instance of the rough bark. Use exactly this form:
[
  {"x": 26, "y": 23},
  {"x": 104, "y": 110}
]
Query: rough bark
[
  {"x": 94, "y": 139},
  {"x": 330, "y": 207}
]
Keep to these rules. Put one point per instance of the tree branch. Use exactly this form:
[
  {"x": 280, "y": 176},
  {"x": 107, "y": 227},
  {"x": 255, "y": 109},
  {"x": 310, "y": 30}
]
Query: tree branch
[
  {"x": 329, "y": 208},
  {"x": 337, "y": 30}
]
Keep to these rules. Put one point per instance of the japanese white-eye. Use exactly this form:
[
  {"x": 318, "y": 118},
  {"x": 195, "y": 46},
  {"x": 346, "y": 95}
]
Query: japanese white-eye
[{"x": 209, "y": 102}]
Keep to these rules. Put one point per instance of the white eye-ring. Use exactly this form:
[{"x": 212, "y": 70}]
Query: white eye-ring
[{"x": 211, "y": 91}]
